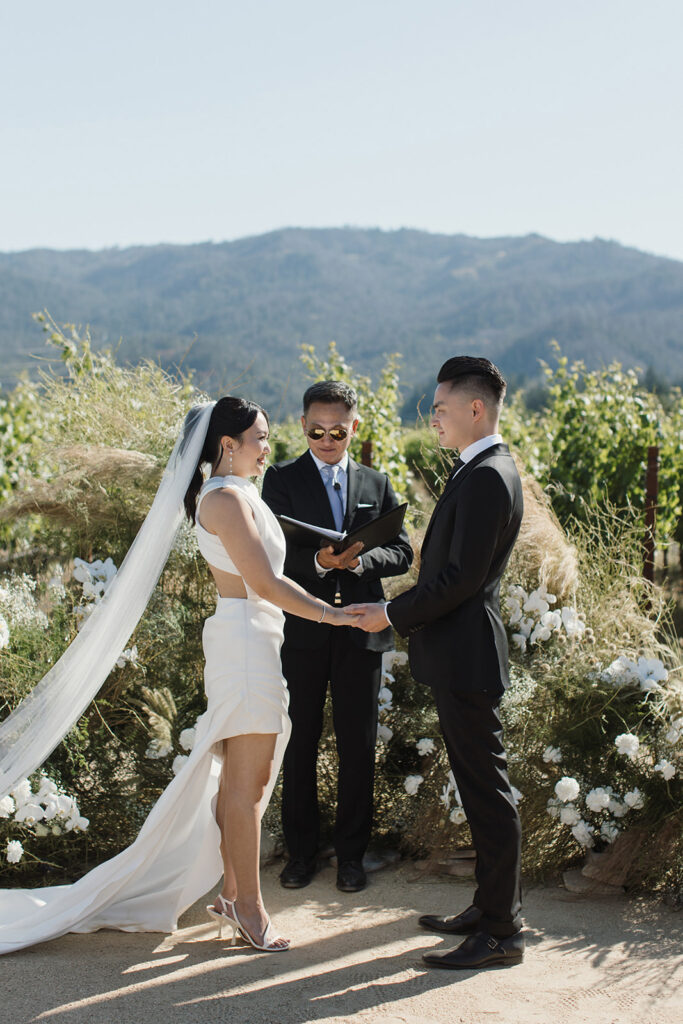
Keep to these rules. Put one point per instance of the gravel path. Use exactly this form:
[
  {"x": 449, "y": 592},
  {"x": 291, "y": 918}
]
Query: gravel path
[{"x": 358, "y": 957}]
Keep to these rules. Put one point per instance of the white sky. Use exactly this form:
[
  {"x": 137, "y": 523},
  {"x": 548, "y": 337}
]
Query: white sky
[{"x": 139, "y": 122}]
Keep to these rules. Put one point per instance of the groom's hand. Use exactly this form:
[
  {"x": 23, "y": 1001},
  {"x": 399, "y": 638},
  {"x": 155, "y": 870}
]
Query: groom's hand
[
  {"x": 346, "y": 560},
  {"x": 371, "y": 617}
]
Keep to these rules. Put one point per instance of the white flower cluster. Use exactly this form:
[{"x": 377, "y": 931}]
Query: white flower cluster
[
  {"x": 534, "y": 622},
  {"x": 48, "y": 811},
  {"x": 645, "y": 673},
  {"x": 601, "y": 801},
  {"x": 94, "y": 578},
  {"x": 628, "y": 744},
  {"x": 412, "y": 784},
  {"x": 18, "y": 607},
  {"x": 385, "y": 705}
]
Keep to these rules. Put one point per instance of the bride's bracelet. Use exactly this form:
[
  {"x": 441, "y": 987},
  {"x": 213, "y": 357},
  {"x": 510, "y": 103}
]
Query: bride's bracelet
[{"x": 323, "y": 614}]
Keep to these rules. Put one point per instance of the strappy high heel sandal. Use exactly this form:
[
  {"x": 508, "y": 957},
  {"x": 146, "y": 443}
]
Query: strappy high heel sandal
[
  {"x": 268, "y": 938},
  {"x": 226, "y": 915}
]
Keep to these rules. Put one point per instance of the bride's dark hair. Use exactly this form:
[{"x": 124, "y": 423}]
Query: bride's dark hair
[{"x": 231, "y": 416}]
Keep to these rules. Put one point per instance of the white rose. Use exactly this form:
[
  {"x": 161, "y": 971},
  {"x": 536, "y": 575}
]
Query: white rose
[
  {"x": 458, "y": 816},
  {"x": 384, "y": 733},
  {"x": 425, "y": 747},
  {"x": 187, "y": 738},
  {"x": 667, "y": 769},
  {"x": 617, "y": 809},
  {"x": 412, "y": 784},
  {"x": 673, "y": 735},
  {"x": 519, "y": 640},
  {"x": 7, "y": 807},
  {"x": 567, "y": 789},
  {"x": 597, "y": 800},
  {"x": 634, "y": 799},
  {"x": 569, "y": 815},
  {"x": 179, "y": 762},
  {"x": 627, "y": 744},
  {"x": 15, "y": 851},
  {"x": 552, "y": 755},
  {"x": 583, "y": 834}
]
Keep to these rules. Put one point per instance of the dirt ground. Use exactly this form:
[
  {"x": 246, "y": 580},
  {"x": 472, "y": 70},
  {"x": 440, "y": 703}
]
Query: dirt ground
[{"x": 357, "y": 957}]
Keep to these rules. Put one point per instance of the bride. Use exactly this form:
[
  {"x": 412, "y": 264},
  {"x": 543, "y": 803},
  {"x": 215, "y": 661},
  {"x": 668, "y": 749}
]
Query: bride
[{"x": 207, "y": 821}]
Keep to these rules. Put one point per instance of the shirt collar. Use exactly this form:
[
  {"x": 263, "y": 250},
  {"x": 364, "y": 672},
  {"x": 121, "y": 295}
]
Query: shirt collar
[
  {"x": 467, "y": 454},
  {"x": 343, "y": 462}
]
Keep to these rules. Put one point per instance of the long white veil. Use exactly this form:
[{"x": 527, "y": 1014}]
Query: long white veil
[{"x": 39, "y": 723}]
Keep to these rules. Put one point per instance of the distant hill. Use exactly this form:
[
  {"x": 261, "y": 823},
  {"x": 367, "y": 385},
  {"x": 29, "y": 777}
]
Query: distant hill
[{"x": 249, "y": 304}]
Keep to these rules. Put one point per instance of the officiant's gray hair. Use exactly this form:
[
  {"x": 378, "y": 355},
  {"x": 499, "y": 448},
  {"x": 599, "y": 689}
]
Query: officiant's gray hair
[
  {"x": 478, "y": 376},
  {"x": 330, "y": 392}
]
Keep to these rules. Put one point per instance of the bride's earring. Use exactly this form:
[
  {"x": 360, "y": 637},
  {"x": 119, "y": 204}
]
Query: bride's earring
[{"x": 229, "y": 453}]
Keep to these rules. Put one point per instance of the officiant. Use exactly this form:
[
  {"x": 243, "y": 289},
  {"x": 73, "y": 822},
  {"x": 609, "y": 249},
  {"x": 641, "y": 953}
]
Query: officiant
[{"x": 327, "y": 488}]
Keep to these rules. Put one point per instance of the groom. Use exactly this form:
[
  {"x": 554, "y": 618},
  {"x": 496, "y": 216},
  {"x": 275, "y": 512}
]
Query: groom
[{"x": 458, "y": 646}]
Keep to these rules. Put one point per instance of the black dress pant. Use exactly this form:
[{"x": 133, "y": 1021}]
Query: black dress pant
[
  {"x": 354, "y": 676},
  {"x": 474, "y": 740}
]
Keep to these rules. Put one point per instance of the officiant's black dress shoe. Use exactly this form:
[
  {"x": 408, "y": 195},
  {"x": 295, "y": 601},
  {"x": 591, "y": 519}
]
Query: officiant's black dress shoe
[
  {"x": 456, "y": 924},
  {"x": 297, "y": 873},
  {"x": 351, "y": 876},
  {"x": 480, "y": 950}
]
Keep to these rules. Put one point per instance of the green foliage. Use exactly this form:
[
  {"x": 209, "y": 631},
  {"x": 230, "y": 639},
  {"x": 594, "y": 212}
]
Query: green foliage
[
  {"x": 378, "y": 410},
  {"x": 598, "y": 427},
  {"x": 90, "y": 470}
]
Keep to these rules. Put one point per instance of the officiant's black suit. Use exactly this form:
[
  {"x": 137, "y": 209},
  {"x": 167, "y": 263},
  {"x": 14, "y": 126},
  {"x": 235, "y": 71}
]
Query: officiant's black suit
[
  {"x": 349, "y": 659},
  {"x": 458, "y": 646}
]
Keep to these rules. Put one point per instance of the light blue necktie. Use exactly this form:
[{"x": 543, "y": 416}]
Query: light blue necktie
[{"x": 330, "y": 475}]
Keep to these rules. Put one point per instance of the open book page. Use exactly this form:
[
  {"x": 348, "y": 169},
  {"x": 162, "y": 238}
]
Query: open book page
[{"x": 320, "y": 530}]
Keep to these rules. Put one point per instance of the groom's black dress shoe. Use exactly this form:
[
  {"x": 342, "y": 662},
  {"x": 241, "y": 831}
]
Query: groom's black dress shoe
[
  {"x": 351, "y": 876},
  {"x": 297, "y": 873},
  {"x": 456, "y": 924},
  {"x": 480, "y": 950}
]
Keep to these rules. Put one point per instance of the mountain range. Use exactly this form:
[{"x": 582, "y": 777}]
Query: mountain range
[{"x": 240, "y": 310}]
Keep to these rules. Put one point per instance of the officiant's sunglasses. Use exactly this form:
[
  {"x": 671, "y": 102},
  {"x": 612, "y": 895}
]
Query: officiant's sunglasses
[{"x": 337, "y": 433}]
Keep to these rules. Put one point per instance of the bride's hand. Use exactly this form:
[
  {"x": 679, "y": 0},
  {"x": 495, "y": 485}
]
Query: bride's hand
[{"x": 340, "y": 617}]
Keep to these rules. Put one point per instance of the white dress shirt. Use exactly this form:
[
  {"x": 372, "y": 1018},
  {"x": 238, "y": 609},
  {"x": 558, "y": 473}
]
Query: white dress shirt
[{"x": 343, "y": 479}]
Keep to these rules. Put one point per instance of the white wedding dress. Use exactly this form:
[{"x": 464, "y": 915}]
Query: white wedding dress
[{"x": 175, "y": 858}]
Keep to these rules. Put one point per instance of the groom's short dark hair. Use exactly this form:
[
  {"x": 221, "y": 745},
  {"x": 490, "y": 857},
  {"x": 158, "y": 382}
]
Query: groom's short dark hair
[
  {"x": 330, "y": 392},
  {"x": 476, "y": 375}
]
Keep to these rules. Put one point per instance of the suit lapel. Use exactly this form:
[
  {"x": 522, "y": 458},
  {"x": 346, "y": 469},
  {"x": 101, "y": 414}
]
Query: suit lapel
[
  {"x": 312, "y": 484},
  {"x": 455, "y": 483},
  {"x": 353, "y": 476}
]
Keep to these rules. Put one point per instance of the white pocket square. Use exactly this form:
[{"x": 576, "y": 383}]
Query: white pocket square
[{"x": 368, "y": 504}]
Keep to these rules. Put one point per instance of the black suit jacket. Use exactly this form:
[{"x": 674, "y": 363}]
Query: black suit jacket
[
  {"x": 452, "y": 615},
  {"x": 295, "y": 488}
]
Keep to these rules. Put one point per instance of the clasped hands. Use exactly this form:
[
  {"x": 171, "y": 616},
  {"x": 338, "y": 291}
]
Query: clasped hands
[{"x": 369, "y": 617}]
